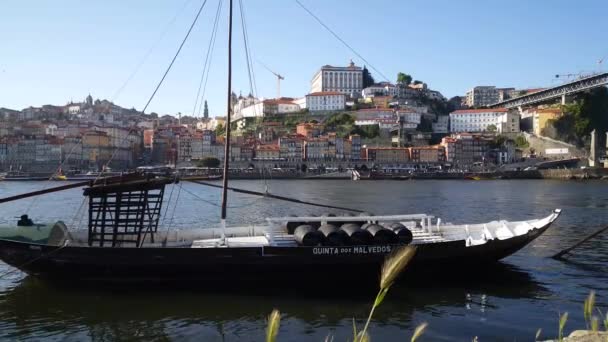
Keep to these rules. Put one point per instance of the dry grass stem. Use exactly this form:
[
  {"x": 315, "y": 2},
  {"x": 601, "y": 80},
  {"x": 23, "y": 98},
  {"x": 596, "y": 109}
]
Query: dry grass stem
[
  {"x": 274, "y": 321},
  {"x": 588, "y": 307},
  {"x": 419, "y": 331},
  {"x": 562, "y": 323},
  {"x": 395, "y": 264}
]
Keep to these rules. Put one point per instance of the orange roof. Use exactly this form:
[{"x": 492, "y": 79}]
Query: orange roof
[
  {"x": 550, "y": 110},
  {"x": 432, "y": 147},
  {"x": 324, "y": 93},
  {"x": 483, "y": 110},
  {"x": 280, "y": 101},
  {"x": 388, "y": 148},
  {"x": 375, "y": 110}
]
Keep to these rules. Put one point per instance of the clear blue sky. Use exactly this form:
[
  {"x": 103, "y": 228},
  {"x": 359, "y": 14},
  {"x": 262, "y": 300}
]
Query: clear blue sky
[{"x": 54, "y": 51}]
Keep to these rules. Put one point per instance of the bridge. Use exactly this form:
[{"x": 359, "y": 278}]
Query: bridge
[{"x": 560, "y": 91}]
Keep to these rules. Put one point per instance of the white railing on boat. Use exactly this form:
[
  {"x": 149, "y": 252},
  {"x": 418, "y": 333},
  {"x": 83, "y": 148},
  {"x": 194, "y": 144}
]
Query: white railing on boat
[{"x": 348, "y": 218}]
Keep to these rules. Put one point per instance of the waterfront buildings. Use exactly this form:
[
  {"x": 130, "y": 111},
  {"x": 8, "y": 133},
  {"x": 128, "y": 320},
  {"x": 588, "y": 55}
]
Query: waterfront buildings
[
  {"x": 346, "y": 80},
  {"x": 392, "y": 155},
  {"x": 483, "y": 120}
]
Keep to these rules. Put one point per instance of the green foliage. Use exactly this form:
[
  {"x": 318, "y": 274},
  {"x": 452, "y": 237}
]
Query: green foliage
[
  {"x": 491, "y": 128},
  {"x": 498, "y": 141},
  {"x": 367, "y": 131},
  {"x": 368, "y": 80},
  {"x": 587, "y": 113},
  {"x": 404, "y": 79},
  {"x": 521, "y": 142},
  {"x": 426, "y": 125},
  {"x": 220, "y": 130},
  {"x": 209, "y": 162}
]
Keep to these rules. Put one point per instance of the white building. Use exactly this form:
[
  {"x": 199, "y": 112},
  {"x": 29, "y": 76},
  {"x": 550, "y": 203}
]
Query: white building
[
  {"x": 280, "y": 106},
  {"x": 410, "y": 116},
  {"x": 480, "y": 120},
  {"x": 383, "y": 88},
  {"x": 382, "y": 123},
  {"x": 346, "y": 80},
  {"x": 325, "y": 101},
  {"x": 301, "y": 102}
]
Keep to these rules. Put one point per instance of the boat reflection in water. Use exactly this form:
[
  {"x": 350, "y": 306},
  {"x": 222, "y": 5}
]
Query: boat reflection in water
[{"x": 37, "y": 309}]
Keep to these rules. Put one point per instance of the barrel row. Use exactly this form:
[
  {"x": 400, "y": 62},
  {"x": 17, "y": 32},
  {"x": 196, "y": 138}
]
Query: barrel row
[{"x": 351, "y": 234}]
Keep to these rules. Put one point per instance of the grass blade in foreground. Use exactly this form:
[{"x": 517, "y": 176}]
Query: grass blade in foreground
[
  {"x": 274, "y": 321},
  {"x": 392, "y": 267}
]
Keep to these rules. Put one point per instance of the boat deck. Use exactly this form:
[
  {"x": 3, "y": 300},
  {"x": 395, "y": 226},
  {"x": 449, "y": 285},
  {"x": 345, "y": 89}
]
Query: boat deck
[{"x": 421, "y": 236}]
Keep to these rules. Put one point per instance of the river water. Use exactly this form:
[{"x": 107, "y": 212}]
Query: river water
[{"x": 527, "y": 291}]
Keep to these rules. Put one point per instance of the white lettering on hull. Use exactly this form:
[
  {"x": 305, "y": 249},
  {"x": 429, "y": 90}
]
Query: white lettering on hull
[{"x": 345, "y": 250}]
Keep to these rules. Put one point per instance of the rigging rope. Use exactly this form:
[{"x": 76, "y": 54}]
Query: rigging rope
[
  {"x": 340, "y": 39},
  {"x": 210, "y": 47},
  {"x": 175, "y": 57},
  {"x": 250, "y": 72},
  {"x": 283, "y": 198},
  {"x": 147, "y": 55}
]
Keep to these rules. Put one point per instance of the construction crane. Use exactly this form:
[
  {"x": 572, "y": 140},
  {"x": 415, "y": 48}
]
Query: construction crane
[{"x": 279, "y": 78}]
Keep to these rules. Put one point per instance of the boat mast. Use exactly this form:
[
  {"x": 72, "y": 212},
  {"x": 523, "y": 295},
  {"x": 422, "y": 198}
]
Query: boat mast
[{"x": 229, "y": 109}]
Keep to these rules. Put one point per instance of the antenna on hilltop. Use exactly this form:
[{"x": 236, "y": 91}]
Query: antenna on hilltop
[{"x": 279, "y": 78}]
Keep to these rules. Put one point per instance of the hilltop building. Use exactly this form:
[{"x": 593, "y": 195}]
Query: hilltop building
[{"x": 346, "y": 80}]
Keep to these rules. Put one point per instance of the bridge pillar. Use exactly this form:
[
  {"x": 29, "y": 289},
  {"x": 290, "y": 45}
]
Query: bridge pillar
[
  {"x": 563, "y": 99},
  {"x": 593, "y": 162},
  {"x": 606, "y": 153}
]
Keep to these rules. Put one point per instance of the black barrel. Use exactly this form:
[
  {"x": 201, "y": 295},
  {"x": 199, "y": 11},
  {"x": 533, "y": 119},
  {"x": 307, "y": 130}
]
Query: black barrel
[
  {"x": 382, "y": 236},
  {"x": 404, "y": 235},
  {"x": 395, "y": 225},
  {"x": 357, "y": 235},
  {"x": 307, "y": 235},
  {"x": 333, "y": 235},
  {"x": 292, "y": 225}
]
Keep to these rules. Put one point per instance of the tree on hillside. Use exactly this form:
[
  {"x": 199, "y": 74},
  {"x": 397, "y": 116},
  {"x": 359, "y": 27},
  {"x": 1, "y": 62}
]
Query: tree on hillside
[
  {"x": 219, "y": 130},
  {"x": 206, "y": 111},
  {"x": 404, "y": 79},
  {"x": 368, "y": 80}
]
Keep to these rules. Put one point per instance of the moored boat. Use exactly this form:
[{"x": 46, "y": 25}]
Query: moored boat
[{"x": 266, "y": 251}]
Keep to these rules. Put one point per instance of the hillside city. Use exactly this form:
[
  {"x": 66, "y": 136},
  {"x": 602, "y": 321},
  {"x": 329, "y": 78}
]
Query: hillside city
[{"x": 347, "y": 120}]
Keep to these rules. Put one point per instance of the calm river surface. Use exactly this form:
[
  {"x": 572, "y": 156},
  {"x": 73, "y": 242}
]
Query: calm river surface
[{"x": 527, "y": 292}]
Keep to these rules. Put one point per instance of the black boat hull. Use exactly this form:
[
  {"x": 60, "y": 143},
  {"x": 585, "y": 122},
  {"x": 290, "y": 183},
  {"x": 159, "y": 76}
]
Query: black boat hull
[{"x": 221, "y": 265}]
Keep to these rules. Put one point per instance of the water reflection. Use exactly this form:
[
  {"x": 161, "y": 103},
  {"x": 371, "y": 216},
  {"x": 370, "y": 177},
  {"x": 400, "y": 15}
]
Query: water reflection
[{"x": 36, "y": 309}]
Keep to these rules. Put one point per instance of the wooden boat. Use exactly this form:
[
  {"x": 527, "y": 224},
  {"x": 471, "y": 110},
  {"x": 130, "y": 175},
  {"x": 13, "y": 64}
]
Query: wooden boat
[
  {"x": 264, "y": 252},
  {"x": 123, "y": 243}
]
